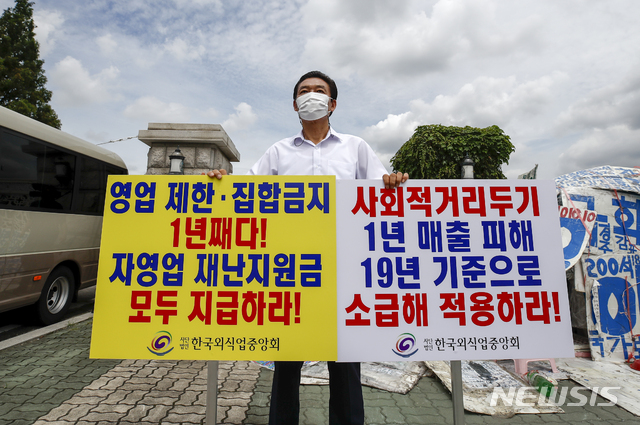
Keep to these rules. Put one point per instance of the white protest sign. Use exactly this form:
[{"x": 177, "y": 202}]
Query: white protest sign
[{"x": 450, "y": 270}]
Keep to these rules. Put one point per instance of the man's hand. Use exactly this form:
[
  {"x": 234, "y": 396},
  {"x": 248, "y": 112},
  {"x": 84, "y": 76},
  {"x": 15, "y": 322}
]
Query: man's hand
[
  {"x": 216, "y": 173},
  {"x": 393, "y": 180}
]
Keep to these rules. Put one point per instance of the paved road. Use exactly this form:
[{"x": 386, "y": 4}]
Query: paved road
[{"x": 51, "y": 380}]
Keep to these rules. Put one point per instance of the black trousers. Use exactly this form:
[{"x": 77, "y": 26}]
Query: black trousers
[{"x": 346, "y": 406}]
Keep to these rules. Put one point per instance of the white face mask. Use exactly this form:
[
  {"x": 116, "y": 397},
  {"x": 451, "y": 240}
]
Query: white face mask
[{"x": 313, "y": 106}]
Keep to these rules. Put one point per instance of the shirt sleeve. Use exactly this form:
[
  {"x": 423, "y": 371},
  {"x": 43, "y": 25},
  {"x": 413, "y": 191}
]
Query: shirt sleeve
[
  {"x": 267, "y": 165},
  {"x": 369, "y": 165}
]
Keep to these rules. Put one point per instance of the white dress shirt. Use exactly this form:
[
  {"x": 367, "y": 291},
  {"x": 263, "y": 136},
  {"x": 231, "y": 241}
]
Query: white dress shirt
[{"x": 342, "y": 155}]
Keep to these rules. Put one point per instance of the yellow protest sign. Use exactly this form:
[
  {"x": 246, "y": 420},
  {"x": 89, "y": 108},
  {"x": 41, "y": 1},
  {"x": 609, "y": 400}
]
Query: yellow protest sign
[{"x": 242, "y": 268}]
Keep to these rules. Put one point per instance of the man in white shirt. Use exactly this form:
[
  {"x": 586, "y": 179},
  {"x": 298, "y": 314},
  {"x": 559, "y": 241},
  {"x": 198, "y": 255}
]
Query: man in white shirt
[{"x": 319, "y": 150}]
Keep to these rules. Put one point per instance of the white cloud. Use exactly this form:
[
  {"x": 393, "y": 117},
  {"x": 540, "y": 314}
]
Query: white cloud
[
  {"x": 390, "y": 133},
  {"x": 617, "y": 145},
  {"x": 151, "y": 109},
  {"x": 404, "y": 38},
  {"x": 130, "y": 52},
  {"x": 614, "y": 104},
  {"x": 107, "y": 44},
  {"x": 210, "y": 114},
  {"x": 241, "y": 120},
  {"x": 182, "y": 50},
  {"x": 213, "y": 4},
  {"x": 398, "y": 63},
  {"x": 47, "y": 23},
  {"x": 484, "y": 102},
  {"x": 76, "y": 87},
  {"x": 606, "y": 122}
]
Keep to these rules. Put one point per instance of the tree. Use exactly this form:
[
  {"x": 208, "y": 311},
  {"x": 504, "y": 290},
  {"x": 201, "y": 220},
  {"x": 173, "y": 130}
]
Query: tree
[
  {"x": 436, "y": 151},
  {"x": 22, "y": 80}
]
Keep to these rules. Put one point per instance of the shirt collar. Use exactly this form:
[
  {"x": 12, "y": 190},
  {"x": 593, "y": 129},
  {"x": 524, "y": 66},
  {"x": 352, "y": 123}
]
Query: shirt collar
[{"x": 331, "y": 135}]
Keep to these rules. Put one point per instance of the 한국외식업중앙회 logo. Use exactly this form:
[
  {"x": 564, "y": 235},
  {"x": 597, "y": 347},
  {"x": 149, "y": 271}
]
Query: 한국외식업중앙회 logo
[
  {"x": 161, "y": 343},
  {"x": 405, "y": 346}
]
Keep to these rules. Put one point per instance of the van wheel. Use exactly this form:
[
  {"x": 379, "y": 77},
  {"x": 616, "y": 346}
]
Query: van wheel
[{"x": 56, "y": 296}]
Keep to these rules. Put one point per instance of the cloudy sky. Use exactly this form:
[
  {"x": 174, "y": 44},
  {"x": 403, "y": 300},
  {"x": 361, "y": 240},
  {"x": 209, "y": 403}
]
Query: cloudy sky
[{"x": 561, "y": 78}]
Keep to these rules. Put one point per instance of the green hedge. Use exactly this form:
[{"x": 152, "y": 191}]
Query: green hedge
[{"x": 436, "y": 151}]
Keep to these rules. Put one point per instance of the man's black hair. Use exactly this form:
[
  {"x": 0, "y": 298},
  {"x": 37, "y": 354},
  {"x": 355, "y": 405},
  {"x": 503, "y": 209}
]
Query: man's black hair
[{"x": 317, "y": 74}]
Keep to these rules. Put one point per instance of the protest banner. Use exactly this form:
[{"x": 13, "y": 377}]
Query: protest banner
[
  {"x": 609, "y": 272},
  {"x": 241, "y": 268},
  {"x": 451, "y": 270},
  {"x": 246, "y": 268}
]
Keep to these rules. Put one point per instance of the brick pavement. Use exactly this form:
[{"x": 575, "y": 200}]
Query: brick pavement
[
  {"x": 158, "y": 391},
  {"x": 428, "y": 403},
  {"x": 39, "y": 375},
  {"x": 51, "y": 380}
]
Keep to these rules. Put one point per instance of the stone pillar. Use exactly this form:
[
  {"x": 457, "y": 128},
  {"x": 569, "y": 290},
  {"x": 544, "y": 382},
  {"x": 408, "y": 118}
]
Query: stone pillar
[{"x": 205, "y": 147}]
